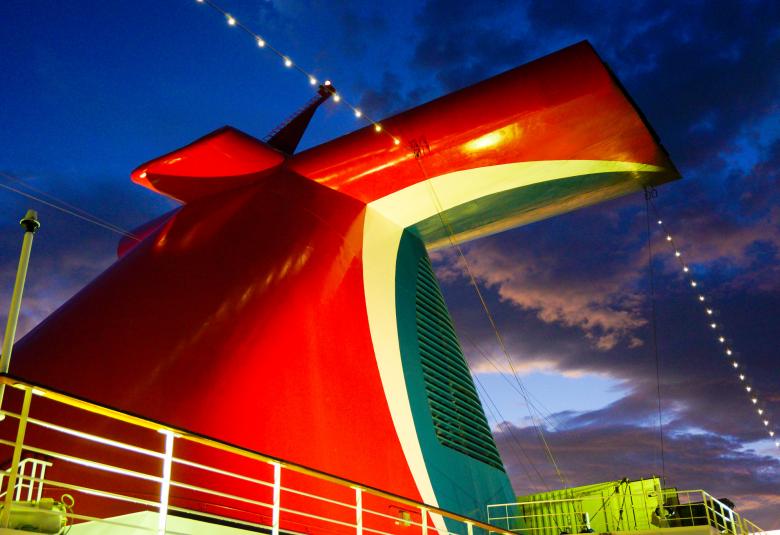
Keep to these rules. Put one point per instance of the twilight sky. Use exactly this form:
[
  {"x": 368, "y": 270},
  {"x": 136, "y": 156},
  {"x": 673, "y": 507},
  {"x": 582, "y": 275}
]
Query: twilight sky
[{"x": 92, "y": 89}]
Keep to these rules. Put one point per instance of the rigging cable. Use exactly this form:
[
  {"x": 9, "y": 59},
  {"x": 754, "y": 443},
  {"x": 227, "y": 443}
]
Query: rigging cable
[
  {"x": 418, "y": 153},
  {"x": 649, "y": 194},
  {"x": 64, "y": 207},
  {"x": 510, "y": 430}
]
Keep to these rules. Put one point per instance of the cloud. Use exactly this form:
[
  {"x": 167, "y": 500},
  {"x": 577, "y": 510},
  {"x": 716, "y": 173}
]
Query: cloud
[
  {"x": 717, "y": 464},
  {"x": 67, "y": 252},
  {"x": 577, "y": 289}
]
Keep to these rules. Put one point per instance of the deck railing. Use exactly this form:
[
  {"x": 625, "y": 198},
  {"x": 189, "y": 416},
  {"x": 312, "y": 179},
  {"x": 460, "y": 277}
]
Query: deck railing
[
  {"x": 668, "y": 508},
  {"x": 30, "y": 473},
  {"x": 175, "y": 482}
]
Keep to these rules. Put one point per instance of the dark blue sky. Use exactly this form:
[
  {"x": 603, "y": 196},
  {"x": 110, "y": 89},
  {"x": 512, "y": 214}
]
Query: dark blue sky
[{"x": 92, "y": 89}]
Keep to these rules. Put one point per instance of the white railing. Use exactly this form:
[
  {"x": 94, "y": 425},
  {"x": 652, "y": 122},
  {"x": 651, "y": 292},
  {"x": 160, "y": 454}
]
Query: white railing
[
  {"x": 668, "y": 508},
  {"x": 182, "y": 479},
  {"x": 31, "y": 474}
]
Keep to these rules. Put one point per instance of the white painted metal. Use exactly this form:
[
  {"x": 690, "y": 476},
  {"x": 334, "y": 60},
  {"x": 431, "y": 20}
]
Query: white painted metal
[
  {"x": 359, "y": 511},
  {"x": 30, "y": 480},
  {"x": 277, "y": 498},
  {"x": 165, "y": 484}
]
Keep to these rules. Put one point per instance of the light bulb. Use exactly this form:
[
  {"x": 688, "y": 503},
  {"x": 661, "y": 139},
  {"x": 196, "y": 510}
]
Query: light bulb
[
  {"x": 728, "y": 352},
  {"x": 677, "y": 254},
  {"x": 685, "y": 269},
  {"x": 358, "y": 113},
  {"x": 312, "y": 80},
  {"x": 230, "y": 20},
  {"x": 754, "y": 400},
  {"x": 741, "y": 377},
  {"x": 396, "y": 141},
  {"x": 668, "y": 238},
  {"x": 735, "y": 364},
  {"x": 287, "y": 62},
  {"x": 721, "y": 339},
  {"x": 713, "y": 325},
  {"x": 260, "y": 42},
  {"x": 766, "y": 422},
  {"x": 336, "y": 97},
  {"x": 693, "y": 283},
  {"x": 709, "y": 311},
  {"x": 378, "y": 127},
  {"x": 660, "y": 222},
  {"x": 760, "y": 412},
  {"x": 701, "y": 298},
  {"x": 748, "y": 388}
]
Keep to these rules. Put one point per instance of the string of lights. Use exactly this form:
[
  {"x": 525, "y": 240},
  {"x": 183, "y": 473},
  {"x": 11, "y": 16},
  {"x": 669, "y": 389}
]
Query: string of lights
[
  {"x": 262, "y": 43},
  {"x": 717, "y": 328}
]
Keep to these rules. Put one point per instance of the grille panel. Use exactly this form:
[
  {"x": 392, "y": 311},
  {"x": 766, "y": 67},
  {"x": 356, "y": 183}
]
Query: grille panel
[{"x": 458, "y": 419}]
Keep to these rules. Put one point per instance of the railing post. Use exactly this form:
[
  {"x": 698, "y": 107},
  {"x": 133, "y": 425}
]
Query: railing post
[
  {"x": 359, "y": 511},
  {"x": 469, "y": 528},
  {"x": 31, "y": 481},
  {"x": 424, "y": 521},
  {"x": 165, "y": 484},
  {"x": 277, "y": 497},
  {"x": 707, "y": 508},
  {"x": 40, "y": 483},
  {"x": 20, "y": 480},
  {"x": 5, "y": 515}
]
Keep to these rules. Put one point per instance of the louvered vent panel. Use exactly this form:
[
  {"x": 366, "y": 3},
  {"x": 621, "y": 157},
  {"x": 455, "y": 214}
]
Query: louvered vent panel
[{"x": 458, "y": 418}]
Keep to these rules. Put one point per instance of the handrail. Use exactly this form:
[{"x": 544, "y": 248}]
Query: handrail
[
  {"x": 180, "y": 433},
  {"x": 714, "y": 512},
  {"x": 19, "y": 486}
]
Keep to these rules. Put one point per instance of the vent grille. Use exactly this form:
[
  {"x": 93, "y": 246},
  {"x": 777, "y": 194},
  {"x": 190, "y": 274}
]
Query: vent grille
[{"x": 458, "y": 418}]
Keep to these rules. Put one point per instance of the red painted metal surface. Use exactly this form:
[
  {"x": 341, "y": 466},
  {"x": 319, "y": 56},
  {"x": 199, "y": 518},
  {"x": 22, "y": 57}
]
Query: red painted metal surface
[{"x": 243, "y": 316}]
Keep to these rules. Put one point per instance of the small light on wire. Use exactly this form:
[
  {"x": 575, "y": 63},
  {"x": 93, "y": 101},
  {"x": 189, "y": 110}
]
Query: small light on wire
[
  {"x": 701, "y": 298},
  {"x": 660, "y": 222},
  {"x": 766, "y": 422},
  {"x": 760, "y": 412},
  {"x": 378, "y": 127},
  {"x": 754, "y": 400},
  {"x": 748, "y": 388},
  {"x": 721, "y": 339},
  {"x": 677, "y": 254},
  {"x": 693, "y": 283},
  {"x": 741, "y": 376},
  {"x": 230, "y": 20},
  {"x": 668, "y": 238},
  {"x": 312, "y": 80},
  {"x": 358, "y": 113},
  {"x": 713, "y": 325},
  {"x": 728, "y": 352},
  {"x": 685, "y": 269},
  {"x": 735, "y": 364},
  {"x": 396, "y": 141},
  {"x": 709, "y": 311},
  {"x": 260, "y": 42},
  {"x": 326, "y": 82},
  {"x": 336, "y": 97},
  {"x": 287, "y": 62}
]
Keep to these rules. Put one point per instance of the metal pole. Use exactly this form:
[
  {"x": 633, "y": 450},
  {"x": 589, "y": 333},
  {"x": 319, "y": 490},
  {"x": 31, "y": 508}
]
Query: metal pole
[
  {"x": 359, "y": 511},
  {"x": 31, "y": 225},
  {"x": 277, "y": 497},
  {"x": 165, "y": 483},
  {"x": 5, "y": 515}
]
